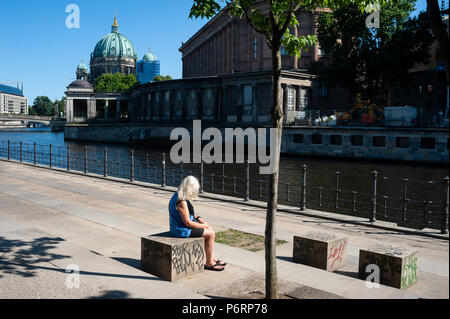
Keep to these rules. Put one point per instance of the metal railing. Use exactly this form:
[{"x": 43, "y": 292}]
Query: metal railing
[
  {"x": 321, "y": 118},
  {"x": 371, "y": 196}
]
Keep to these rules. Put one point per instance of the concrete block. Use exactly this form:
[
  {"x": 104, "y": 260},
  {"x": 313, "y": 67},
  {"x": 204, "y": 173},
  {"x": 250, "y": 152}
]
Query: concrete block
[
  {"x": 320, "y": 250},
  {"x": 397, "y": 265},
  {"x": 172, "y": 258}
]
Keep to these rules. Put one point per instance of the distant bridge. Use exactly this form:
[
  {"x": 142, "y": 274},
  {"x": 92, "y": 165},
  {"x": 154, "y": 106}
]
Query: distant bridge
[
  {"x": 28, "y": 122},
  {"x": 21, "y": 117},
  {"x": 15, "y": 120},
  {"x": 36, "y": 123}
]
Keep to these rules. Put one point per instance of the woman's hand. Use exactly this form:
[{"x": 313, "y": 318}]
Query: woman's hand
[
  {"x": 206, "y": 226},
  {"x": 203, "y": 222}
]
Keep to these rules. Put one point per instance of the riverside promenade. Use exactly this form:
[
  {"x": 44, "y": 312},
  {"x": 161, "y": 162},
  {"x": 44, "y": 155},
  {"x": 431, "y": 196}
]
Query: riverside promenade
[{"x": 51, "y": 219}]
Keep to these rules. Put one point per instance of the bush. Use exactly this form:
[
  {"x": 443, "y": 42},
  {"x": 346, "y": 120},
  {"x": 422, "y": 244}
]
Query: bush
[
  {"x": 160, "y": 78},
  {"x": 114, "y": 83}
]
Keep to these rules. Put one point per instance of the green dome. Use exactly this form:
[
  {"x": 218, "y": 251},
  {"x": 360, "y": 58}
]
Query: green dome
[
  {"x": 82, "y": 66},
  {"x": 149, "y": 57},
  {"x": 115, "y": 45}
]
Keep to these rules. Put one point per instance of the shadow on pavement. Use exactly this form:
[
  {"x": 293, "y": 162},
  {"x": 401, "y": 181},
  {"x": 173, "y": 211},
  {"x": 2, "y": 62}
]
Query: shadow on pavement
[
  {"x": 112, "y": 294},
  {"x": 346, "y": 273},
  {"x": 25, "y": 258},
  {"x": 135, "y": 263},
  {"x": 19, "y": 257}
]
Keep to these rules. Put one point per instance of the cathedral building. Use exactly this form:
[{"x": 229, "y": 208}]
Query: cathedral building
[{"x": 114, "y": 53}]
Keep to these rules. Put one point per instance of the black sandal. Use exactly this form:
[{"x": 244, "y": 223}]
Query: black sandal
[
  {"x": 221, "y": 263},
  {"x": 215, "y": 269}
]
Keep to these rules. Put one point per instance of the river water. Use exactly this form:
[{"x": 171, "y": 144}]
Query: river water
[{"x": 425, "y": 187}]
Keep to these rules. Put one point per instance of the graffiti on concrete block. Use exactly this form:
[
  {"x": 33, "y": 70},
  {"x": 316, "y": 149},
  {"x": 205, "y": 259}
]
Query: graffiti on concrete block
[
  {"x": 336, "y": 253},
  {"x": 188, "y": 257},
  {"x": 409, "y": 271}
]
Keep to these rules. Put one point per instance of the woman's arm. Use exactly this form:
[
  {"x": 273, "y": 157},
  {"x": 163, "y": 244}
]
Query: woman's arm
[{"x": 185, "y": 216}]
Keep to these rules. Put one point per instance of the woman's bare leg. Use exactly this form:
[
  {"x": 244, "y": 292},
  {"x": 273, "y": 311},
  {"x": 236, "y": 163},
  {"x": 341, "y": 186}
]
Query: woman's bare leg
[{"x": 209, "y": 236}]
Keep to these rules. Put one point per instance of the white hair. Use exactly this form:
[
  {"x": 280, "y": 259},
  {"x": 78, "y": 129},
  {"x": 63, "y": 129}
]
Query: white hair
[{"x": 189, "y": 188}]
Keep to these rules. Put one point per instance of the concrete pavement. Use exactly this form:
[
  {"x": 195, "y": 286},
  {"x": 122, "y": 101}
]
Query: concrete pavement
[{"x": 97, "y": 224}]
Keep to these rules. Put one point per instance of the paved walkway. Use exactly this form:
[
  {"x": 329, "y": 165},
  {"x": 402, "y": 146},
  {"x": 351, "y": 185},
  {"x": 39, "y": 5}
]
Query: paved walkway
[{"x": 50, "y": 220}]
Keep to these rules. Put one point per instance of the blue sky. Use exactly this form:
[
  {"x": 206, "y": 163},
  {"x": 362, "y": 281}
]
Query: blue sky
[{"x": 38, "y": 49}]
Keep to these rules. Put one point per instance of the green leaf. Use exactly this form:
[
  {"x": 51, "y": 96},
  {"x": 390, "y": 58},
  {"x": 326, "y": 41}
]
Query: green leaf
[{"x": 204, "y": 9}]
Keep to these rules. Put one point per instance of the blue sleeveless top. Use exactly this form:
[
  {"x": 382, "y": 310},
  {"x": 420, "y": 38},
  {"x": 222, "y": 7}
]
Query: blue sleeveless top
[{"x": 177, "y": 227}]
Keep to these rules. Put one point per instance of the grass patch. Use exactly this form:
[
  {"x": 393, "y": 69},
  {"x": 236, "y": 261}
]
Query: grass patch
[{"x": 243, "y": 240}]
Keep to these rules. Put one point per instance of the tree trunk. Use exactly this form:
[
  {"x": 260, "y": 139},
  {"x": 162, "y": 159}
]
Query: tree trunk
[{"x": 272, "y": 203}]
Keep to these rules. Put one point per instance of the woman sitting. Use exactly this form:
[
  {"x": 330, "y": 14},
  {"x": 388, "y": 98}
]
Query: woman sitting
[{"x": 184, "y": 223}]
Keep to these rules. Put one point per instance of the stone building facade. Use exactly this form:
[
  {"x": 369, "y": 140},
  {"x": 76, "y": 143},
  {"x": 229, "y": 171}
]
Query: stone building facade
[
  {"x": 243, "y": 99},
  {"x": 84, "y": 105},
  {"x": 228, "y": 45}
]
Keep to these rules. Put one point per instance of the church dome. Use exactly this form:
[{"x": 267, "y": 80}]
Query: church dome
[
  {"x": 149, "y": 57},
  {"x": 81, "y": 84},
  {"x": 115, "y": 44},
  {"x": 82, "y": 67}
]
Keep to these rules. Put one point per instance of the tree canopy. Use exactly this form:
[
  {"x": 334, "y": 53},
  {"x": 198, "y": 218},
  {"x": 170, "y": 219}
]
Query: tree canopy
[
  {"x": 42, "y": 106},
  {"x": 114, "y": 83},
  {"x": 160, "y": 78},
  {"x": 370, "y": 61}
]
